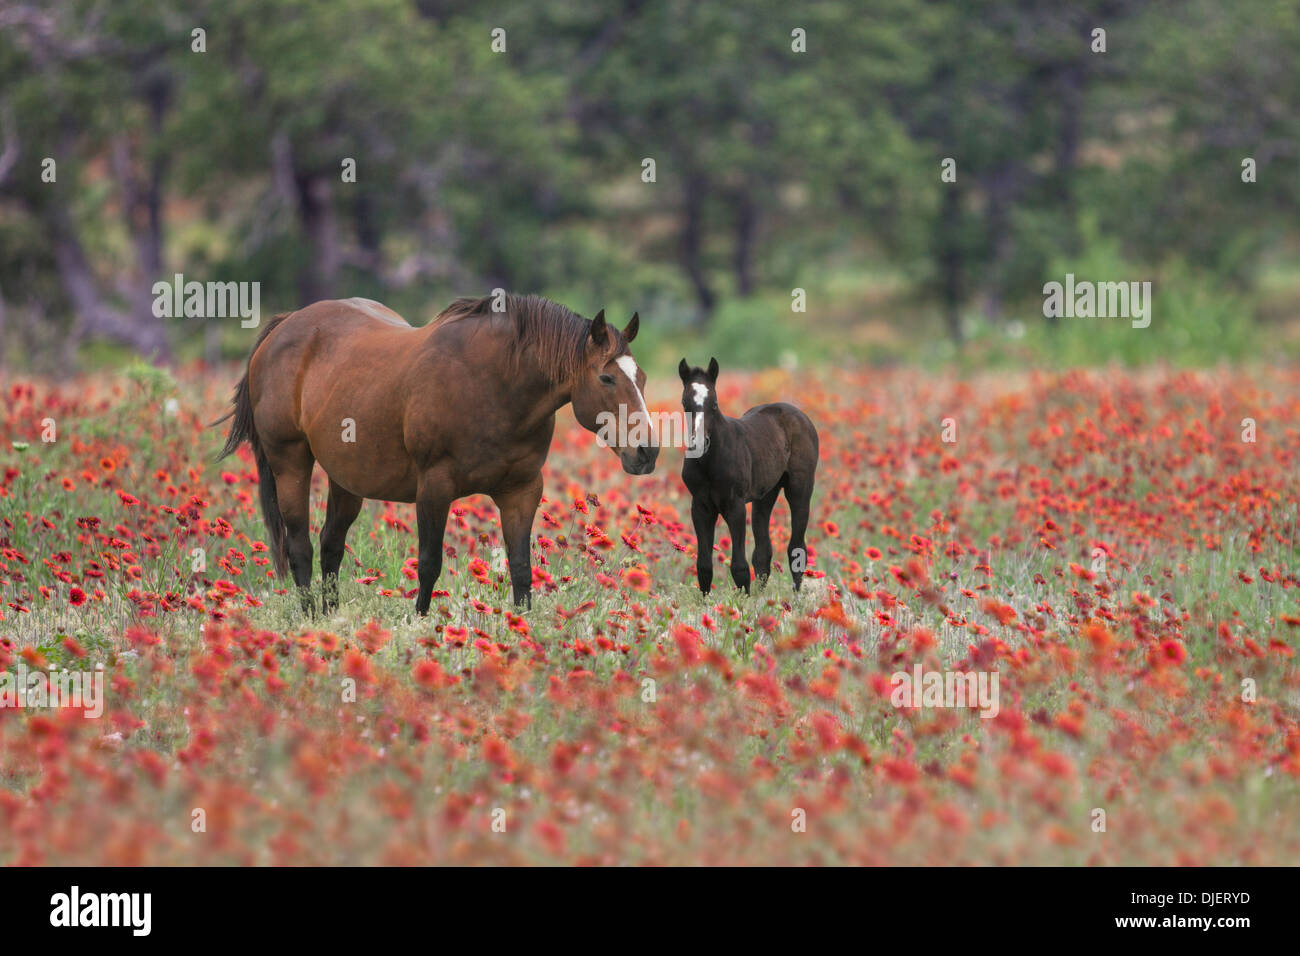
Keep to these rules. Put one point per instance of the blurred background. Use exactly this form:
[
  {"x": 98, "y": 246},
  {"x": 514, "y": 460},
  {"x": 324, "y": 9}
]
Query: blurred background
[{"x": 502, "y": 143}]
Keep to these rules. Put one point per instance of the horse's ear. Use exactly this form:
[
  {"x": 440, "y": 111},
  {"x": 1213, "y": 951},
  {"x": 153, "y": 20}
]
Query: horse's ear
[
  {"x": 684, "y": 371},
  {"x": 629, "y": 333},
  {"x": 599, "y": 331},
  {"x": 713, "y": 369}
]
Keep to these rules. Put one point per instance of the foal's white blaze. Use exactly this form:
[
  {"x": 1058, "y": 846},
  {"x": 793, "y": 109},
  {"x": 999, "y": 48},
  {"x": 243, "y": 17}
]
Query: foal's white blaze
[
  {"x": 628, "y": 365},
  {"x": 696, "y": 440},
  {"x": 701, "y": 393}
]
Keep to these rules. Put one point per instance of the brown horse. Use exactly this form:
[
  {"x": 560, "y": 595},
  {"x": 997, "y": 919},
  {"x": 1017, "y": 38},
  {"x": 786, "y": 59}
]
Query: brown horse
[{"x": 464, "y": 405}]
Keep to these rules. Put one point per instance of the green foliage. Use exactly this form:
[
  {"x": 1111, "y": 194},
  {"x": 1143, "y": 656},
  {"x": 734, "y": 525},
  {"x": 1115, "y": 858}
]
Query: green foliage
[
  {"x": 1194, "y": 319},
  {"x": 522, "y": 168},
  {"x": 153, "y": 383},
  {"x": 756, "y": 333}
]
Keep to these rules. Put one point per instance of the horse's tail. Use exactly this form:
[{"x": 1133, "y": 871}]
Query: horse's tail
[{"x": 243, "y": 430}]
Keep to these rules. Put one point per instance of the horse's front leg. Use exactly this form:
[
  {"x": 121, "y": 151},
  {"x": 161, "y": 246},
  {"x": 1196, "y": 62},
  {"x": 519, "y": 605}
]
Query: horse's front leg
[
  {"x": 704, "y": 518},
  {"x": 762, "y": 558},
  {"x": 433, "y": 501},
  {"x": 735, "y": 518},
  {"x": 518, "y": 508}
]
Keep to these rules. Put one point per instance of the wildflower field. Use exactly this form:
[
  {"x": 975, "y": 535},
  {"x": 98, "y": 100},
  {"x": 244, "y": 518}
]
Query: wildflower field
[{"x": 1118, "y": 547}]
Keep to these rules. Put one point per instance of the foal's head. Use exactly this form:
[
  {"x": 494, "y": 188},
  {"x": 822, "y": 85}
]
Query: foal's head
[
  {"x": 699, "y": 396},
  {"x": 607, "y": 397}
]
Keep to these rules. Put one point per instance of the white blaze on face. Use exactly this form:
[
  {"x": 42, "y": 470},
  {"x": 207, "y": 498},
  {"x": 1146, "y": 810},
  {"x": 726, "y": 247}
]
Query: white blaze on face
[
  {"x": 701, "y": 393},
  {"x": 697, "y": 436},
  {"x": 628, "y": 365}
]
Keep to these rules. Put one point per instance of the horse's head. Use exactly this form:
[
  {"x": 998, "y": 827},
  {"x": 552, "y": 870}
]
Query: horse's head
[
  {"x": 699, "y": 397},
  {"x": 607, "y": 396}
]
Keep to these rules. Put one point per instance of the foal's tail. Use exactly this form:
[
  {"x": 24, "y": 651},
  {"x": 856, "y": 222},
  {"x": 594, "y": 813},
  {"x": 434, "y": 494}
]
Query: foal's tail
[{"x": 243, "y": 430}]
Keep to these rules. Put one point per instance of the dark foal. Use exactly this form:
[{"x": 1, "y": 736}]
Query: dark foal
[{"x": 733, "y": 461}]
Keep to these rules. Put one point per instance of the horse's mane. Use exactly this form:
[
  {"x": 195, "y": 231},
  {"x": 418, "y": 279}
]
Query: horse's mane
[{"x": 553, "y": 335}]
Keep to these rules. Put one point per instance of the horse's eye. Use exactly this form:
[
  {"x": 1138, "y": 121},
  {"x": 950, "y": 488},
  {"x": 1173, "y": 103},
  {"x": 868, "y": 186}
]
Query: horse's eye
[{"x": 607, "y": 379}]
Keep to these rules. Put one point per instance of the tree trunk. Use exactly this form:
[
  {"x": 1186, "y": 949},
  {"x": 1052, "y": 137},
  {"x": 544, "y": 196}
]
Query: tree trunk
[
  {"x": 319, "y": 275},
  {"x": 1071, "y": 85},
  {"x": 141, "y": 330},
  {"x": 369, "y": 236},
  {"x": 142, "y": 214},
  {"x": 746, "y": 234},
  {"x": 692, "y": 242},
  {"x": 950, "y": 260},
  {"x": 1003, "y": 190}
]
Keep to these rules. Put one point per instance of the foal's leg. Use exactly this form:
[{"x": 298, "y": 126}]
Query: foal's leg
[
  {"x": 433, "y": 501},
  {"x": 763, "y": 535},
  {"x": 292, "y": 467},
  {"x": 735, "y": 518},
  {"x": 798, "y": 495},
  {"x": 341, "y": 510},
  {"x": 704, "y": 518},
  {"x": 518, "y": 507}
]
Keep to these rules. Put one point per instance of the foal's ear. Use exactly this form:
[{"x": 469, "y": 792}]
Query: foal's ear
[
  {"x": 684, "y": 371},
  {"x": 599, "y": 331},
  {"x": 713, "y": 369},
  {"x": 629, "y": 333}
]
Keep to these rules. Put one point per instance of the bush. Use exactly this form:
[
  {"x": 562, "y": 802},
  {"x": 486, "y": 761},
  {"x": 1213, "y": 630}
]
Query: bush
[
  {"x": 1196, "y": 318},
  {"x": 758, "y": 333}
]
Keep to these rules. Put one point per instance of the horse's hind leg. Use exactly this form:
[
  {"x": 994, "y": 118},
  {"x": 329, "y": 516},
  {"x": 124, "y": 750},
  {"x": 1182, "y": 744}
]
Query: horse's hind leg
[
  {"x": 340, "y": 511},
  {"x": 762, "y": 559},
  {"x": 798, "y": 493},
  {"x": 292, "y": 465}
]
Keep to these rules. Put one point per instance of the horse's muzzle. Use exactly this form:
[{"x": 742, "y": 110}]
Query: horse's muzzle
[{"x": 639, "y": 461}]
